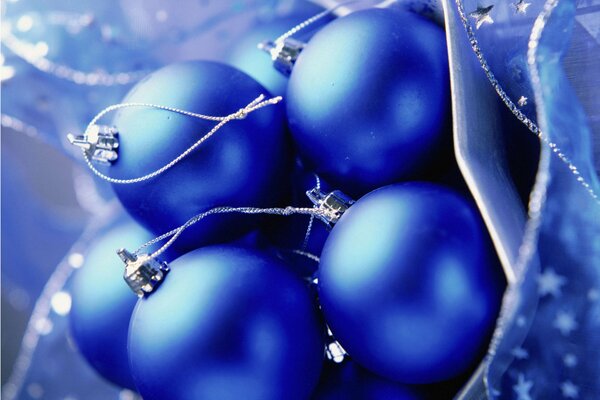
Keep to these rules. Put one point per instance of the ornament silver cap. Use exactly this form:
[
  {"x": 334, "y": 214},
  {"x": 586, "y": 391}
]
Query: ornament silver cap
[
  {"x": 100, "y": 143},
  {"x": 333, "y": 204},
  {"x": 143, "y": 273},
  {"x": 333, "y": 349},
  {"x": 284, "y": 53}
]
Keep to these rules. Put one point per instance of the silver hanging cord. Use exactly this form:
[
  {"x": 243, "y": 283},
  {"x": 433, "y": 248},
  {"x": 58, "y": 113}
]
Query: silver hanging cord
[
  {"x": 312, "y": 217},
  {"x": 256, "y": 104},
  {"x": 328, "y": 207},
  {"x": 308, "y": 22},
  {"x": 145, "y": 272},
  {"x": 175, "y": 233}
]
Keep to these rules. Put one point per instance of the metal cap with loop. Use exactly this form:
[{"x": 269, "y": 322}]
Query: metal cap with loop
[
  {"x": 284, "y": 53},
  {"x": 333, "y": 205},
  {"x": 99, "y": 142},
  {"x": 284, "y": 50},
  {"x": 143, "y": 273}
]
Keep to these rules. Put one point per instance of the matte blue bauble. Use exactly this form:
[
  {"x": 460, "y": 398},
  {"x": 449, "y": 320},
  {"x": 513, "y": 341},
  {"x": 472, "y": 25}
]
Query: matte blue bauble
[
  {"x": 258, "y": 64},
  {"x": 227, "y": 323},
  {"x": 348, "y": 381},
  {"x": 102, "y": 304},
  {"x": 244, "y": 164},
  {"x": 408, "y": 284},
  {"x": 368, "y": 99}
]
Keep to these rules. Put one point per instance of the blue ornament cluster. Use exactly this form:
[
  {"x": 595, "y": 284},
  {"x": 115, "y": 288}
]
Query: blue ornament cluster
[{"x": 405, "y": 281}]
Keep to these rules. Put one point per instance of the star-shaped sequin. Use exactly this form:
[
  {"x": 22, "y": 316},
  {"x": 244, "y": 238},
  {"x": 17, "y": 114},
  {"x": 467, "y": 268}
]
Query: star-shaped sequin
[
  {"x": 565, "y": 322},
  {"x": 520, "y": 353},
  {"x": 521, "y": 6},
  {"x": 569, "y": 390},
  {"x": 549, "y": 282},
  {"x": 482, "y": 16},
  {"x": 522, "y": 102},
  {"x": 522, "y": 388}
]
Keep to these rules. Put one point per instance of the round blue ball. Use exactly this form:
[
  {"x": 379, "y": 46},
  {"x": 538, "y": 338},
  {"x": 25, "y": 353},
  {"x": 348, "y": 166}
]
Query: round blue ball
[
  {"x": 244, "y": 164},
  {"x": 102, "y": 304},
  {"x": 227, "y": 323},
  {"x": 408, "y": 284},
  {"x": 368, "y": 99}
]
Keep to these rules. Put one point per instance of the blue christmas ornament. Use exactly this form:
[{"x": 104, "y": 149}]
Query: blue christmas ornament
[
  {"x": 246, "y": 56},
  {"x": 227, "y": 323},
  {"x": 408, "y": 285},
  {"x": 348, "y": 381},
  {"x": 102, "y": 304},
  {"x": 368, "y": 99},
  {"x": 243, "y": 164}
]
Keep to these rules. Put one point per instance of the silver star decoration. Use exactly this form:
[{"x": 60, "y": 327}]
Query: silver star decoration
[
  {"x": 570, "y": 360},
  {"x": 517, "y": 73},
  {"x": 520, "y": 353},
  {"x": 522, "y": 388},
  {"x": 549, "y": 282},
  {"x": 482, "y": 16},
  {"x": 521, "y": 6},
  {"x": 522, "y": 101},
  {"x": 569, "y": 390},
  {"x": 565, "y": 322}
]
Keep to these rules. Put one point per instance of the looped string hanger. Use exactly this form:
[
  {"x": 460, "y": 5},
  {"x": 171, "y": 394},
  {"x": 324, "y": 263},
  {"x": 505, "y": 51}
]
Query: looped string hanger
[
  {"x": 311, "y": 21},
  {"x": 256, "y": 104},
  {"x": 306, "y": 254},
  {"x": 312, "y": 218},
  {"x": 306, "y": 23},
  {"x": 175, "y": 233}
]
